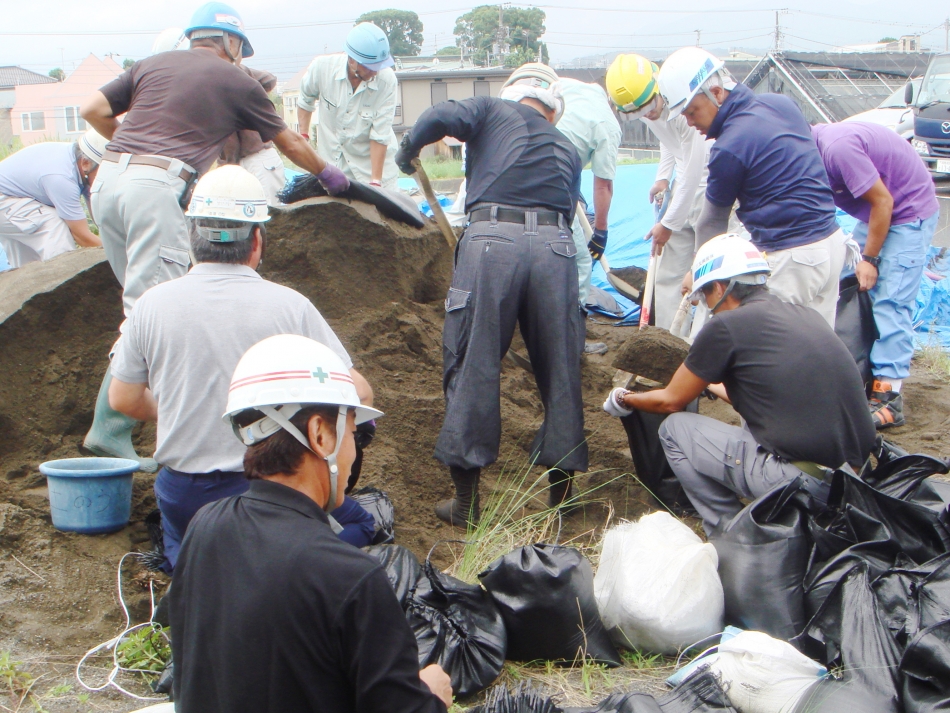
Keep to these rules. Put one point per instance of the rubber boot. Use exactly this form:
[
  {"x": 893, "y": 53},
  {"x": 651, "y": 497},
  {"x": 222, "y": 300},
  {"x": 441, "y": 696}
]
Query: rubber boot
[
  {"x": 111, "y": 432},
  {"x": 463, "y": 510},
  {"x": 561, "y": 490}
]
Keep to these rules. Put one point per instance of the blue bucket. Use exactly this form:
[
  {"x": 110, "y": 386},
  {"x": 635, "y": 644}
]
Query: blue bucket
[{"x": 90, "y": 495}]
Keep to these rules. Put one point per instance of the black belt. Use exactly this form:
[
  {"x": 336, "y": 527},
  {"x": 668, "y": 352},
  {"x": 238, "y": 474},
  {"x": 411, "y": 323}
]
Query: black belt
[
  {"x": 507, "y": 215},
  {"x": 186, "y": 174}
]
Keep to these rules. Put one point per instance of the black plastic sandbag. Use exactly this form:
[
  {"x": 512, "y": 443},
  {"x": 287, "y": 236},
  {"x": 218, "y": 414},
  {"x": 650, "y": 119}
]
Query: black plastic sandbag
[
  {"x": 401, "y": 567},
  {"x": 700, "y": 693},
  {"x": 850, "y": 632},
  {"x": 763, "y": 557},
  {"x": 926, "y": 669},
  {"x": 378, "y": 504},
  {"x": 912, "y": 598},
  {"x": 622, "y": 703},
  {"x": 546, "y": 597},
  {"x": 649, "y": 460},
  {"x": 389, "y": 203},
  {"x": 854, "y": 324},
  {"x": 457, "y": 626},
  {"x": 906, "y": 478},
  {"x": 524, "y": 699}
]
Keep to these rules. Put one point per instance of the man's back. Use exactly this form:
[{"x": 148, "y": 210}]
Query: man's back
[
  {"x": 185, "y": 105},
  {"x": 790, "y": 377},
  {"x": 590, "y": 124},
  {"x": 45, "y": 172},
  {"x": 186, "y": 336},
  {"x": 765, "y": 157},
  {"x": 273, "y": 613}
]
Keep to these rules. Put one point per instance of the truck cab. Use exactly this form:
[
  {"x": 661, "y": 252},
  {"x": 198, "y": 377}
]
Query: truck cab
[{"x": 931, "y": 107}]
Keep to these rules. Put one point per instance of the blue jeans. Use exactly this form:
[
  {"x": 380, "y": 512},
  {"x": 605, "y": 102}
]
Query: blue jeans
[
  {"x": 903, "y": 258},
  {"x": 181, "y": 495}
]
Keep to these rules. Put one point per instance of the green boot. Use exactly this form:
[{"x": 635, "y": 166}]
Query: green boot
[
  {"x": 463, "y": 510},
  {"x": 111, "y": 432}
]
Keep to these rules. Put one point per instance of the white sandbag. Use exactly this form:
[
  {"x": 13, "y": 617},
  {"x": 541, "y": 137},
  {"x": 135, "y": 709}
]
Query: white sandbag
[
  {"x": 160, "y": 708},
  {"x": 657, "y": 585},
  {"x": 764, "y": 675}
]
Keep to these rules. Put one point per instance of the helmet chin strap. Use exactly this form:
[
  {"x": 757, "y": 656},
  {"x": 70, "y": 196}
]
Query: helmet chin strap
[
  {"x": 330, "y": 459},
  {"x": 732, "y": 283},
  {"x": 227, "y": 46}
]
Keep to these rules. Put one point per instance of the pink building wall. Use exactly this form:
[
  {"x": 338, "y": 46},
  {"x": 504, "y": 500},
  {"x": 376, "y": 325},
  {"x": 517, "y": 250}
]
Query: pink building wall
[{"x": 59, "y": 103}]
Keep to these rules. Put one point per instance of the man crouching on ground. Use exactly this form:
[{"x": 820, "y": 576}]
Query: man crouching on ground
[
  {"x": 271, "y": 611},
  {"x": 784, "y": 370}
]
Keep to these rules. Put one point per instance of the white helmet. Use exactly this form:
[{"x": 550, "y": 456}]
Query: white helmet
[
  {"x": 283, "y": 374},
  {"x": 228, "y": 193},
  {"x": 93, "y": 145},
  {"x": 170, "y": 39},
  {"x": 683, "y": 73},
  {"x": 729, "y": 257},
  {"x": 535, "y": 80}
]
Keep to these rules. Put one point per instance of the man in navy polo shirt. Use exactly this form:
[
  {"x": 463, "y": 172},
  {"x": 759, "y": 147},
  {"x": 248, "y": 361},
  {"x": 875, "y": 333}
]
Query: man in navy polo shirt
[{"x": 764, "y": 158}]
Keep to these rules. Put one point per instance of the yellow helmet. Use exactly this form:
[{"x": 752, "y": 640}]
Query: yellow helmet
[{"x": 631, "y": 82}]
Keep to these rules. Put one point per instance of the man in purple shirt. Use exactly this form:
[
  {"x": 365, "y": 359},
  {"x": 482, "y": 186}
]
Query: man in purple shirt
[{"x": 879, "y": 179}]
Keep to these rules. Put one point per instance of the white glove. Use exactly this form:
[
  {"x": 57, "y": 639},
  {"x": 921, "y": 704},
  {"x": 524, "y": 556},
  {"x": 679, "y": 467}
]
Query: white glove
[
  {"x": 614, "y": 405},
  {"x": 852, "y": 252}
]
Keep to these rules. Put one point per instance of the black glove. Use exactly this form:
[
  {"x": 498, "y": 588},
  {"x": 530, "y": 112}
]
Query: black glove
[
  {"x": 597, "y": 244},
  {"x": 405, "y": 154}
]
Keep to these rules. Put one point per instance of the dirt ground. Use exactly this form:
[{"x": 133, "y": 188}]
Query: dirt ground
[{"x": 381, "y": 287}]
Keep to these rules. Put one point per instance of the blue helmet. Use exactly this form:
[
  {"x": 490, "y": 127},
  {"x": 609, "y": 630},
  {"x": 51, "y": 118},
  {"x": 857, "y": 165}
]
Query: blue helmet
[
  {"x": 368, "y": 45},
  {"x": 218, "y": 16}
]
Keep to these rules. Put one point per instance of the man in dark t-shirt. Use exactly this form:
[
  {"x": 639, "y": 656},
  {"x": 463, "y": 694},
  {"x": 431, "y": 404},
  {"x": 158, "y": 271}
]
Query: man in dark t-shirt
[
  {"x": 784, "y": 370},
  {"x": 180, "y": 108},
  {"x": 514, "y": 264}
]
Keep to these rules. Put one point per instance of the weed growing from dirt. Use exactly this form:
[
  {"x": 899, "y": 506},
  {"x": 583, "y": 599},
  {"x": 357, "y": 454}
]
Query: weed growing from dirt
[
  {"x": 17, "y": 683},
  {"x": 146, "y": 650},
  {"x": 935, "y": 359}
]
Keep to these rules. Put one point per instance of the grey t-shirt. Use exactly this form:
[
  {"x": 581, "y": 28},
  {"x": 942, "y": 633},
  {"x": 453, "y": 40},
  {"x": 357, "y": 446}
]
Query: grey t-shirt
[
  {"x": 790, "y": 377},
  {"x": 47, "y": 173},
  {"x": 185, "y": 337}
]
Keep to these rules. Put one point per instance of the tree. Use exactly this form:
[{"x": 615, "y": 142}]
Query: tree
[
  {"x": 127, "y": 62},
  {"x": 58, "y": 74},
  {"x": 402, "y": 27},
  {"x": 450, "y": 51},
  {"x": 501, "y": 33},
  {"x": 887, "y": 39}
]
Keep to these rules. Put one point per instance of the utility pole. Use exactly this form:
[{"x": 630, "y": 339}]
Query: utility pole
[
  {"x": 946, "y": 35},
  {"x": 698, "y": 33},
  {"x": 778, "y": 32}
]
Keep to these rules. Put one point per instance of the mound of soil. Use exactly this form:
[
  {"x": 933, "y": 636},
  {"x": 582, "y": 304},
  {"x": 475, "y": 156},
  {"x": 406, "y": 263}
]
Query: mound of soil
[{"x": 652, "y": 352}]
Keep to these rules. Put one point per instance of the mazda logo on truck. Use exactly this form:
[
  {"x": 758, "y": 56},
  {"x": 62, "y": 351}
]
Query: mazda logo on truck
[{"x": 945, "y": 127}]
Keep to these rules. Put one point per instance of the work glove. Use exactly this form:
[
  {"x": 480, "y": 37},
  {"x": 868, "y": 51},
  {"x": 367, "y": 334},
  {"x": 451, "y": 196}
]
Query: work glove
[
  {"x": 405, "y": 154},
  {"x": 614, "y": 405},
  {"x": 364, "y": 434},
  {"x": 597, "y": 244},
  {"x": 333, "y": 180}
]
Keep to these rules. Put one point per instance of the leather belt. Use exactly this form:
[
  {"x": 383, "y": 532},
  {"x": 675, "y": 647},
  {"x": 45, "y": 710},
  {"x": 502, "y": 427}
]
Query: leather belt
[
  {"x": 507, "y": 215},
  {"x": 157, "y": 161}
]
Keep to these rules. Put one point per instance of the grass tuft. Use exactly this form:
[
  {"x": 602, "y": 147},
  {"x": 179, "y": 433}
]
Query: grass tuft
[{"x": 935, "y": 359}]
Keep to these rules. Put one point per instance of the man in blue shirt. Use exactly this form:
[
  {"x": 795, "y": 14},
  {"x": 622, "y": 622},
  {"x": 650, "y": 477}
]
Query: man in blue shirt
[{"x": 764, "y": 158}]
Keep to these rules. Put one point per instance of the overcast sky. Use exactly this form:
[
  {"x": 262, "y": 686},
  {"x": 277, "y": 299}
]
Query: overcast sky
[{"x": 287, "y": 33}]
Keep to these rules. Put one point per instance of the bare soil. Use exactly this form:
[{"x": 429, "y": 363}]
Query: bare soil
[
  {"x": 652, "y": 352},
  {"x": 381, "y": 285}
]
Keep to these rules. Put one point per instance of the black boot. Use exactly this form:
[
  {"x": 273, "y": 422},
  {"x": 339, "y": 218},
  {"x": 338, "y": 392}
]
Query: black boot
[
  {"x": 561, "y": 490},
  {"x": 462, "y": 510}
]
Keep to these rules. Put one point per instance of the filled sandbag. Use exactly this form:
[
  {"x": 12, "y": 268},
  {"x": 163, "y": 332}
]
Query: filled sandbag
[
  {"x": 546, "y": 597},
  {"x": 378, "y": 504},
  {"x": 657, "y": 586}
]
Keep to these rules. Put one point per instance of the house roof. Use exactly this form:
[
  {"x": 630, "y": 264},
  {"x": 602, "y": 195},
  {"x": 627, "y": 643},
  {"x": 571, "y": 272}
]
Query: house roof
[
  {"x": 15, "y": 76},
  {"x": 833, "y": 86},
  {"x": 466, "y": 73}
]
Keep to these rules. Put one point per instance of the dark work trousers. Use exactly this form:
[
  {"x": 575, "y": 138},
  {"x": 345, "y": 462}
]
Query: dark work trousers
[{"x": 507, "y": 273}]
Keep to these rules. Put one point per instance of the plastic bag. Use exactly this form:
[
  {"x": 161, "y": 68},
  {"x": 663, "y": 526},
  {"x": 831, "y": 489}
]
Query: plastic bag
[
  {"x": 457, "y": 626},
  {"x": 546, "y": 597},
  {"x": 401, "y": 567},
  {"x": 912, "y": 598},
  {"x": 849, "y": 631},
  {"x": 926, "y": 669},
  {"x": 854, "y": 324},
  {"x": 524, "y": 699},
  {"x": 657, "y": 586},
  {"x": 699, "y": 694},
  {"x": 763, "y": 557},
  {"x": 378, "y": 504},
  {"x": 392, "y": 204},
  {"x": 764, "y": 675}
]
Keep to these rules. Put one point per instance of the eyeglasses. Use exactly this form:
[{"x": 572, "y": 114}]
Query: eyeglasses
[{"x": 634, "y": 112}]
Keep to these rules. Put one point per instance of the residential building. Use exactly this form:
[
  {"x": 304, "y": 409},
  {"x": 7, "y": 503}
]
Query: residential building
[
  {"x": 10, "y": 79},
  {"x": 50, "y": 112}
]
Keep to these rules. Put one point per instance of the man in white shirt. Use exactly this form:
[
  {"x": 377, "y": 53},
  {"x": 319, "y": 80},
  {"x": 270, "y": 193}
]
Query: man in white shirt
[
  {"x": 356, "y": 91},
  {"x": 631, "y": 82}
]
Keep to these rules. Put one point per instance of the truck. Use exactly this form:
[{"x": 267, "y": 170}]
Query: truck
[{"x": 931, "y": 107}]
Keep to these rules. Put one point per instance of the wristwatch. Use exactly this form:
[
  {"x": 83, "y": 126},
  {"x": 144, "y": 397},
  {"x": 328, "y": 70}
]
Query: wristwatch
[{"x": 876, "y": 261}]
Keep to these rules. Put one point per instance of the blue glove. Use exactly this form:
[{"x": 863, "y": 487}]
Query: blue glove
[{"x": 597, "y": 244}]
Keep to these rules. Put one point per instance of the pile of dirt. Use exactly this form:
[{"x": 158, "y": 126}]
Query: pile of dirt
[
  {"x": 652, "y": 352},
  {"x": 381, "y": 286}
]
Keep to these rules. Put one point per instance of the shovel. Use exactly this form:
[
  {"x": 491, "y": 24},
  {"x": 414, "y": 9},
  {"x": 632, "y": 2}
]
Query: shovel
[
  {"x": 624, "y": 288},
  {"x": 646, "y": 307},
  {"x": 422, "y": 180}
]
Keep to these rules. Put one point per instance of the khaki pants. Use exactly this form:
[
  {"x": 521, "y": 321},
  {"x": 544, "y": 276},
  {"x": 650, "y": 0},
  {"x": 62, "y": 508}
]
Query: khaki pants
[
  {"x": 142, "y": 226},
  {"x": 675, "y": 262},
  {"x": 808, "y": 275},
  {"x": 31, "y": 231},
  {"x": 266, "y": 167}
]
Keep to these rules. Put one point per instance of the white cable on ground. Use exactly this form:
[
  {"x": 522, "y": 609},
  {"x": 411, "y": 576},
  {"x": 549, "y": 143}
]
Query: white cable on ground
[{"x": 114, "y": 643}]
